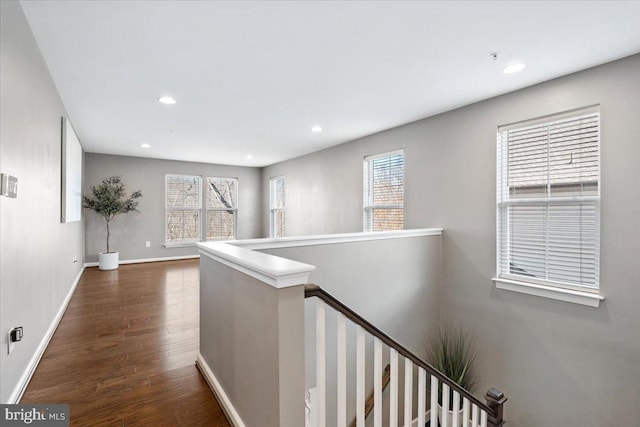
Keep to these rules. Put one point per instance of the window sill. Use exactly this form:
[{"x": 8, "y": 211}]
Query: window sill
[
  {"x": 567, "y": 295},
  {"x": 194, "y": 244},
  {"x": 179, "y": 245}
]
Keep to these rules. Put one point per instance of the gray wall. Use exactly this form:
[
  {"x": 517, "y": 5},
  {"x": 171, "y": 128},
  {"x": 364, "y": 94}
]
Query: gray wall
[
  {"x": 250, "y": 336},
  {"x": 323, "y": 191},
  {"x": 559, "y": 363},
  {"x": 37, "y": 252},
  {"x": 130, "y": 232}
]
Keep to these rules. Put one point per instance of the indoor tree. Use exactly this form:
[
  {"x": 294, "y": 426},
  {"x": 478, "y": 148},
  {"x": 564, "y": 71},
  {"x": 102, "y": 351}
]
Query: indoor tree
[{"x": 109, "y": 200}]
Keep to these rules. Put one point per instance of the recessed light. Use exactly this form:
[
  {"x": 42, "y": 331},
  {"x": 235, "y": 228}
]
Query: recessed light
[
  {"x": 167, "y": 100},
  {"x": 316, "y": 129},
  {"x": 145, "y": 145},
  {"x": 248, "y": 157},
  {"x": 514, "y": 68}
]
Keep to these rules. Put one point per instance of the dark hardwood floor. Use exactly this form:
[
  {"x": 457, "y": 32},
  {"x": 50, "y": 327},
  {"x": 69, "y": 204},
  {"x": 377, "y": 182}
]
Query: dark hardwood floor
[{"x": 124, "y": 353}]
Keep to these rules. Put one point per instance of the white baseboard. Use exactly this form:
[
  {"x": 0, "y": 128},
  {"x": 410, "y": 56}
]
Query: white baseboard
[
  {"x": 140, "y": 261},
  {"x": 218, "y": 391},
  {"x": 18, "y": 391}
]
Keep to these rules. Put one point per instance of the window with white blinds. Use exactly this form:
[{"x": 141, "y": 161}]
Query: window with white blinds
[
  {"x": 191, "y": 207},
  {"x": 548, "y": 201},
  {"x": 183, "y": 208},
  {"x": 221, "y": 208},
  {"x": 277, "y": 207},
  {"x": 384, "y": 191}
]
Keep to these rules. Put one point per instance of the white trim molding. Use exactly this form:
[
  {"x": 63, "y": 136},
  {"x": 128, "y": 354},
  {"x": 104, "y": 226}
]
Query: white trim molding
[
  {"x": 179, "y": 245},
  {"x": 329, "y": 239},
  {"x": 275, "y": 271},
  {"x": 20, "y": 388},
  {"x": 218, "y": 391},
  {"x": 568, "y": 295},
  {"x": 140, "y": 261}
]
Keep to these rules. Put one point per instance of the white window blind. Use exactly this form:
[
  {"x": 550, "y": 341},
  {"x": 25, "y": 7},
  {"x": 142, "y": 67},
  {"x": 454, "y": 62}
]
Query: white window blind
[
  {"x": 548, "y": 201},
  {"x": 277, "y": 206},
  {"x": 221, "y": 208},
  {"x": 384, "y": 192},
  {"x": 183, "y": 206}
]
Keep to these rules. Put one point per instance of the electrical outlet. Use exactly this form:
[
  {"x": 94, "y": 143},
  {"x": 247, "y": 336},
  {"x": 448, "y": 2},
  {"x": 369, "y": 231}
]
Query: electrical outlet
[
  {"x": 75, "y": 259},
  {"x": 147, "y": 244}
]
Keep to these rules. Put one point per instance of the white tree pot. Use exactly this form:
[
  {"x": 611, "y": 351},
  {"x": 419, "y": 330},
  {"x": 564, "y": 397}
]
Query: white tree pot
[
  {"x": 108, "y": 261},
  {"x": 460, "y": 420}
]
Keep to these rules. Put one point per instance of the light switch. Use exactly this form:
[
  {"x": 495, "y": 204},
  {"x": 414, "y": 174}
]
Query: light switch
[{"x": 8, "y": 186}]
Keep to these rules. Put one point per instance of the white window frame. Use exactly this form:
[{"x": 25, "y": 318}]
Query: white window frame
[
  {"x": 274, "y": 209},
  {"x": 505, "y": 278},
  {"x": 205, "y": 209},
  {"x": 167, "y": 209},
  {"x": 202, "y": 194},
  {"x": 368, "y": 204}
]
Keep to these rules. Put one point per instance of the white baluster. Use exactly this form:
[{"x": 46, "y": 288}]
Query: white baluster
[
  {"x": 455, "y": 407},
  {"x": 483, "y": 419},
  {"x": 422, "y": 391},
  {"x": 320, "y": 364},
  {"x": 377, "y": 383},
  {"x": 342, "y": 371},
  {"x": 445, "y": 405},
  {"x": 360, "y": 373},
  {"x": 434, "y": 402},
  {"x": 408, "y": 392},
  {"x": 393, "y": 390},
  {"x": 465, "y": 411},
  {"x": 474, "y": 419}
]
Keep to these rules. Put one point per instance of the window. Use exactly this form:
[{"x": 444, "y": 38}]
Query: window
[
  {"x": 276, "y": 205},
  {"x": 548, "y": 201},
  {"x": 183, "y": 206},
  {"x": 186, "y": 215},
  {"x": 384, "y": 191},
  {"x": 222, "y": 199}
]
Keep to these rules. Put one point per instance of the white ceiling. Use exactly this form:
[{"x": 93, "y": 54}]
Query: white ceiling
[{"x": 252, "y": 78}]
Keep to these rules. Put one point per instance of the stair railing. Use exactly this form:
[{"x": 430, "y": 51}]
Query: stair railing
[{"x": 475, "y": 412}]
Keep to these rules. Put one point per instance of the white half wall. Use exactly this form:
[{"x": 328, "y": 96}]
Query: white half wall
[
  {"x": 392, "y": 279},
  {"x": 252, "y": 333}
]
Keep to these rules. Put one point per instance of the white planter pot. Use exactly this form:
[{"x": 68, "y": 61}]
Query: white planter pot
[
  {"x": 108, "y": 261},
  {"x": 450, "y": 423}
]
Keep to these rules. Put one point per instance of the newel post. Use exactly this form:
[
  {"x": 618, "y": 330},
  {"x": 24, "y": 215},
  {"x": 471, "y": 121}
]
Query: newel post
[{"x": 495, "y": 400}]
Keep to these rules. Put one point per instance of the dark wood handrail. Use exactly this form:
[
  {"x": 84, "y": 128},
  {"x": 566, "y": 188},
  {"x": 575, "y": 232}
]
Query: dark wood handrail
[{"x": 494, "y": 415}]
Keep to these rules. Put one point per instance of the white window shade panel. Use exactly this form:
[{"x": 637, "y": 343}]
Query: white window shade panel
[
  {"x": 384, "y": 192},
  {"x": 221, "y": 208},
  {"x": 183, "y": 206},
  {"x": 222, "y": 193},
  {"x": 277, "y": 207},
  {"x": 182, "y": 192},
  {"x": 277, "y": 193},
  {"x": 548, "y": 202},
  {"x": 221, "y": 224}
]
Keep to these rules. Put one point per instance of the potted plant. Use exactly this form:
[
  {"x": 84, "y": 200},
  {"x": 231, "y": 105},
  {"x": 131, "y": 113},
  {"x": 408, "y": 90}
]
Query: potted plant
[
  {"x": 452, "y": 353},
  {"x": 109, "y": 200}
]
